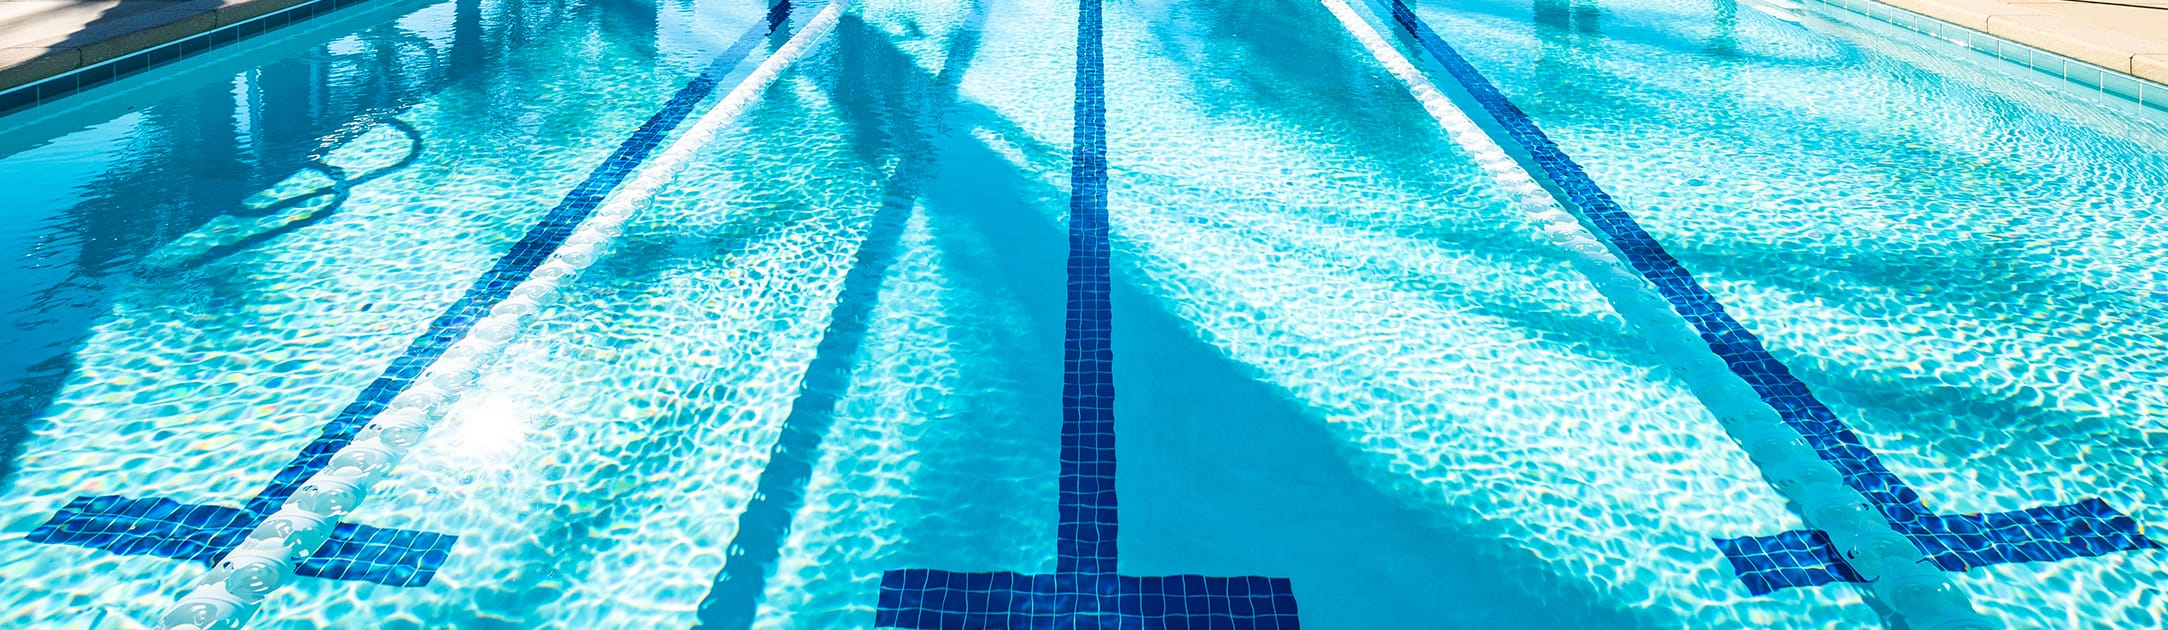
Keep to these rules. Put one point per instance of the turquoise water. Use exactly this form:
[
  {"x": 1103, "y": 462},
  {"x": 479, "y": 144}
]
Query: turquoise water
[{"x": 1346, "y": 354}]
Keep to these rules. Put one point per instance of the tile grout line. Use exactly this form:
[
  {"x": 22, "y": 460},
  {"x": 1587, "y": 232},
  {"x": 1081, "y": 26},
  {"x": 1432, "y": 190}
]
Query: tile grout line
[
  {"x": 228, "y": 595},
  {"x": 1086, "y": 541}
]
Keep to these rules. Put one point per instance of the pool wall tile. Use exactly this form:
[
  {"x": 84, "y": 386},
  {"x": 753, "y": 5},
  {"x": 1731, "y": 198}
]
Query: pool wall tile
[
  {"x": 46, "y": 91},
  {"x": 2118, "y": 83}
]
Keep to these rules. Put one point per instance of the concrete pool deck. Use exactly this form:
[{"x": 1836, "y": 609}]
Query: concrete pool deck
[
  {"x": 40, "y": 39},
  {"x": 2128, "y": 36},
  {"x": 46, "y": 38}
]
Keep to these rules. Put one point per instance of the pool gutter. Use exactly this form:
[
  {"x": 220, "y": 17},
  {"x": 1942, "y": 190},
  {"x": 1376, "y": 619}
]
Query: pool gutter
[
  {"x": 2091, "y": 56},
  {"x": 56, "y": 65},
  {"x": 2129, "y": 39}
]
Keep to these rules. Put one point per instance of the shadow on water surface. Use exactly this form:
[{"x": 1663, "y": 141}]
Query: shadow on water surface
[
  {"x": 1598, "y": 30},
  {"x": 1199, "y": 450},
  {"x": 1309, "y": 448},
  {"x": 1579, "y": 95},
  {"x": 1233, "y": 55},
  {"x": 193, "y": 157},
  {"x": 766, "y": 522},
  {"x": 1202, "y": 428},
  {"x": 893, "y": 109}
]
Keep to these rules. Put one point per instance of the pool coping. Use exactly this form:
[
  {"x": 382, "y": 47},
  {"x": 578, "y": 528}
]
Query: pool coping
[
  {"x": 2035, "y": 28},
  {"x": 61, "y": 72},
  {"x": 2133, "y": 67},
  {"x": 2147, "y": 93}
]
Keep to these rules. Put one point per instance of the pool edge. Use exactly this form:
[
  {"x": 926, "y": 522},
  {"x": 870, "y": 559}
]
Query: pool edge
[
  {"x": 180, "y": 39},
  {"x": 2143, "y": 81}
]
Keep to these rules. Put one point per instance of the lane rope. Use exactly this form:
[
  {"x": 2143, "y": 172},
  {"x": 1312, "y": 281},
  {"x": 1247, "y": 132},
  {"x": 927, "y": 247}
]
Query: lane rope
[{"x": 230, "y": 593}]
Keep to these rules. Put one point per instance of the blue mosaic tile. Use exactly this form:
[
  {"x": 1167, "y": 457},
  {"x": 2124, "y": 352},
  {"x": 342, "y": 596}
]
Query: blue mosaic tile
[
  {"x": 1802, "y": 558},
  {"x": 1085, "y": 590},
  {"x": 1954, "y": 543},
  {"x": 131, "y": 64},
  {"x": 206, "y": 533},
  {"x": 55, "y": 87},
  {"x": 17, "y": 99},
  {"x": 93, "y": 76},
  {"x": 194, "y": 45},
  {"x": 940, "y": 600}
]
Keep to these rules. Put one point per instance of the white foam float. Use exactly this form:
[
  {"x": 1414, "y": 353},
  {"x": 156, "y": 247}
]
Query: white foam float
[{"x": 230, "y": 593}]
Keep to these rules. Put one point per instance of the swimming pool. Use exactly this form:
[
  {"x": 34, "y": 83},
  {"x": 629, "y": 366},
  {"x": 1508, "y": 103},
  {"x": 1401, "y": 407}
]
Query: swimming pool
[{"x": 730, "y": 313}]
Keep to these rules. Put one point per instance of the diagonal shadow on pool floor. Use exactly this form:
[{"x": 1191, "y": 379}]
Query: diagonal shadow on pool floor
[
  {"x": 875, "y": 83},
  {"x": 1439, "y": 551},
  {"x": 105, "y": 237},
  {"x": 781, "y": 489},
  {"x": 1250, "y": 439}
]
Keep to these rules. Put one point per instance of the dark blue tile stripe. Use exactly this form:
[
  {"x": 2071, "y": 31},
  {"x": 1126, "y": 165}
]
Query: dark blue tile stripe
[
  {"x": 205, "y": 533},
  {"x": 200, "y": 533},
  {"x": 2087, "y": 528},
  {"x": 1086, "y": 538},
  {"x": 512, "y": 269},
  {"x": 941, "y": 600},
  {"x": 394, "y": 557},
  {"x": 1085, "y": 591},
  {"x": 1739, "y": 348},
  {"x": 1804, "y": 557},
  {"x": 49, "y": 89},
  {"x": 2094, "y": 530}
]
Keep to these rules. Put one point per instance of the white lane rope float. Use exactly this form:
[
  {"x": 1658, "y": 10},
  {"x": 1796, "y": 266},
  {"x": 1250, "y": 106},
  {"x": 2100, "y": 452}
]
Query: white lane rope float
[{"x": 231, "y": 592}]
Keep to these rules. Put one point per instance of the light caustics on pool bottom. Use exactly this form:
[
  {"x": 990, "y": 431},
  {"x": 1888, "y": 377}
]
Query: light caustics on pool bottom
[{"x": 1344, "y": 356}]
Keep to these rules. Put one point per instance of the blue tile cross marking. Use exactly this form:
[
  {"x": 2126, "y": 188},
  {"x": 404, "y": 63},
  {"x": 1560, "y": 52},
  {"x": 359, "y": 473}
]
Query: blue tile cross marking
[
  {"x": 206, "y": 533},
  {"x": 1804, "y": 557},
  {"x": 1084, "y": 590}
]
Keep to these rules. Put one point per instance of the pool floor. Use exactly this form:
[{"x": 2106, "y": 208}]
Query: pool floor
[{"x": 1066, "y": 313}]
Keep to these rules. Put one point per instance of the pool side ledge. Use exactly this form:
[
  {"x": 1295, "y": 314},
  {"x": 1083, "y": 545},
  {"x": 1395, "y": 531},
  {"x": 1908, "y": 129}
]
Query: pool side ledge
[
  {"x": 49, "y": 50},
  {"x": 2129, "y": 39}
]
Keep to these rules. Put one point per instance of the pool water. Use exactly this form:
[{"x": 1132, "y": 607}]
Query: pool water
[{"x": 1579, "y": 313}]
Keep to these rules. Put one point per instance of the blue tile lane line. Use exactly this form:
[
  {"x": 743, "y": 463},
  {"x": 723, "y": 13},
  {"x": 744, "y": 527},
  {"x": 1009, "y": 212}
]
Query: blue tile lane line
[
  {"x": 1804, "y": 557},
  {"x": 206, "y": 533},
  {"x": 1085, "y": 590}
]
